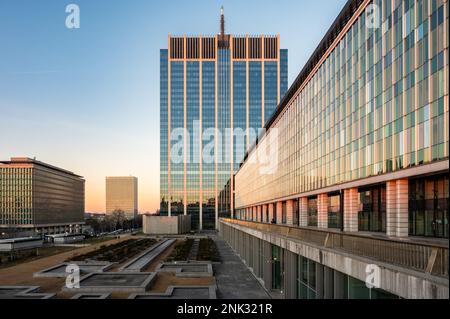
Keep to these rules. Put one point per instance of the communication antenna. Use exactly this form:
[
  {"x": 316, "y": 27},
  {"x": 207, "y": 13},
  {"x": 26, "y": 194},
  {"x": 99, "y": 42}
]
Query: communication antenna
[{"x": 222, "y": 21}]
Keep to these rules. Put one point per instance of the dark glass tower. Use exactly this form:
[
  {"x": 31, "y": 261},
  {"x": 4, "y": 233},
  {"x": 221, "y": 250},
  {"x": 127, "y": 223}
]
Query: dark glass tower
[{"x": 210, "y": 87}]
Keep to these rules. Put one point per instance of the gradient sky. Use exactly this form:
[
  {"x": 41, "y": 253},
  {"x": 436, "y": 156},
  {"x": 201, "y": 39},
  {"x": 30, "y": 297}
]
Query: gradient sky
[{"x": 87, "y": 100}]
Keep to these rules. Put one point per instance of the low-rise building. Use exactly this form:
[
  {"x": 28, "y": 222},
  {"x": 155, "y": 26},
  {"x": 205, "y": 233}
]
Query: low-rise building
[
  {"x": 39, "y": 198},
  {"x": 17, "y": 244},
  {"x": 166, "y": 225}
]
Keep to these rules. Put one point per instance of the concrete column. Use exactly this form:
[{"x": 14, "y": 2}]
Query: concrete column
[
  {"x": 270, "y": 212},
  {"x": 290, "y": 212},
  {"x": 279, "y": 212},
  {"x": 303, "y": 212},
  {"x": 402, "y": 208},
  {"x": 264, "y": 209},
  {"x": 351, "y": 210},
  {"x": 322, "y": 210},
  {"x": 391, "y": 208},
  {"x": 397, "y": 208}
]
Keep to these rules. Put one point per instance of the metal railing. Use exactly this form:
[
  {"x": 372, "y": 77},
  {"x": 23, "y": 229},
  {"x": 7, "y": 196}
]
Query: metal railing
[{"x": 430, "y": 258}]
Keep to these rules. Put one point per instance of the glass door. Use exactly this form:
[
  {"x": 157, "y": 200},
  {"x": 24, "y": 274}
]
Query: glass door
[{"x": 277, "y": 276}]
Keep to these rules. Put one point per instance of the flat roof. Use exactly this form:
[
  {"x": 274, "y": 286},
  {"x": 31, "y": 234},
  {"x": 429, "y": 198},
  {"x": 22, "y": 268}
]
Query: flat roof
[
  {"x": 64, "y": 235},
  {"x": 18, "y": 240},
  {"x": 27, "y": 160}
]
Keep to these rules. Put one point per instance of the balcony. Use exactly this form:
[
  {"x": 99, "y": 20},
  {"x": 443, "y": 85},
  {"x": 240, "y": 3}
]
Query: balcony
[{"x": 424, "y": 255}]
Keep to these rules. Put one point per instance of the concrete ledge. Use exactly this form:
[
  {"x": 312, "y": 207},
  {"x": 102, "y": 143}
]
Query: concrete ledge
[
  {"x": 35, "y": 296},
  {"x": 146, "y": 258},
  {"x": 184, "y": 269},
  {"x": 85, "y": 268},
  {"x": 91, "y": 296},
  {"x": 114, "y": 282},
  {"x": 181, "y": 292},
  {"x": 23, "y": 292}
]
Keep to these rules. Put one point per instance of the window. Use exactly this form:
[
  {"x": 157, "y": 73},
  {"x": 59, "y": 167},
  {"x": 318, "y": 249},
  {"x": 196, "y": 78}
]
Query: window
[
  {"x": 296, "y": 218},
  {"x": 312, "y": 211},
  {"x": 334, "y": 212},
  {"x": 372, "y": 209},
  {"x": 306, "y": 278},
  {"x": 428, "y": 207},
  {"x": 277, "y": 267}
]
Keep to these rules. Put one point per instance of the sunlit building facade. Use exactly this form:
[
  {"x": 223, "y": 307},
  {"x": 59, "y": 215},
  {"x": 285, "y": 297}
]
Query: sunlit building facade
[
  {"x": 363, "y": 158},
  {"x": 122, "y": 195},
  {"x": 38, "y": 198},
  {"x": 221, "y": 83}
]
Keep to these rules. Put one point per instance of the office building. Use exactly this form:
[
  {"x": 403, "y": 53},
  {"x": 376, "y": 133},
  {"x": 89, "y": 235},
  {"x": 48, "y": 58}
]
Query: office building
[
  {"x": 122, "y": 195},
  {"x": 224, "y": 83},
  {"x": 38, "y": 198},
  {"x": 361, "y": 178}
]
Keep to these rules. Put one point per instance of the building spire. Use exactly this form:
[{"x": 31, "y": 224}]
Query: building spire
[{"x": 222, "y": 21}]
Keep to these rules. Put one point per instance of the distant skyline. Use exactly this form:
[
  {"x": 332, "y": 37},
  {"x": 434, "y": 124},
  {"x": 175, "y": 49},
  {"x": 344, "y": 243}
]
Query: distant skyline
[{"x": 87, "y": 100}]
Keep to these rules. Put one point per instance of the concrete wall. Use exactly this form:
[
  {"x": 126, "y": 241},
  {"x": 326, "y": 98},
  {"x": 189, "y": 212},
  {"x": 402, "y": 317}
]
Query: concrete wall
[
  {"x": 165, "y": 225},
  {"x": 68, "y": 239},
  {"x": 6, "y": 246}
]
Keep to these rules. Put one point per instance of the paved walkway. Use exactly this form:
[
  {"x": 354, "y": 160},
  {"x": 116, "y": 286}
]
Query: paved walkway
[{"x": 234, "y": 280}]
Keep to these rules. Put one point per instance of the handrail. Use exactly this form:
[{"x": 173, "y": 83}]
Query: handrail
[{"x": 430, "y": 258}]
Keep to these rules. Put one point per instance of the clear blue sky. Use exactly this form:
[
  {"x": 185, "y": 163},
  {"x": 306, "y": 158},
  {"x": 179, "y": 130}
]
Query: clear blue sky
[{"x": 88, "y": 99}]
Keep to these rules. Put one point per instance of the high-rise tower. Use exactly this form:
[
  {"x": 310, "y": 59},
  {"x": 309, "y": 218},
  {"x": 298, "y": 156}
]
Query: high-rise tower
[{"x": 212, "y": 86}]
